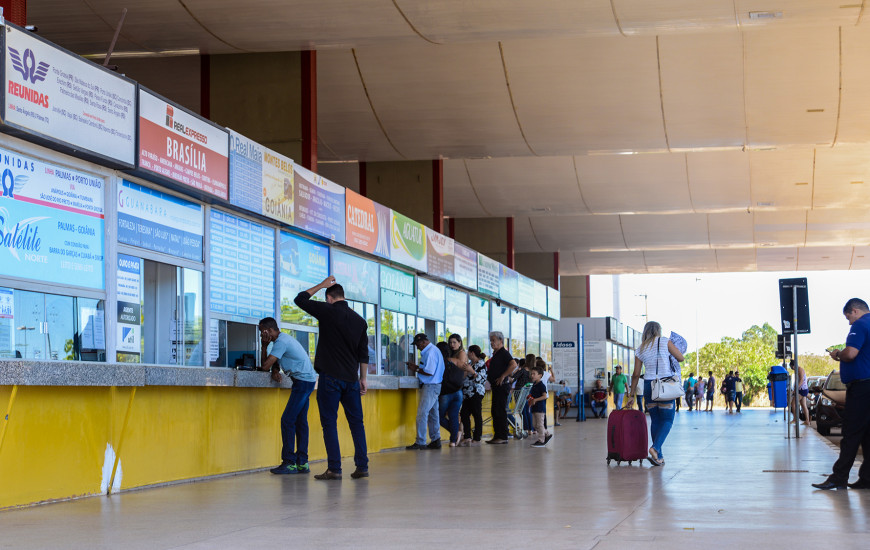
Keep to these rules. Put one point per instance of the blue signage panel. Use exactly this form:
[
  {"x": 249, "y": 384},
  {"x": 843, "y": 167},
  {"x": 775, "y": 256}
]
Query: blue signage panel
[
  {"x": 359, "y": 277},
  {"x": 304, "y": 263},
  {"x": 160, "y": 222},
  {"x": 431, "y": 301},
  {"x": 397, "y": 291},
  {"x": 51, "y": 223},
  {"x": 242, "y": 275}
]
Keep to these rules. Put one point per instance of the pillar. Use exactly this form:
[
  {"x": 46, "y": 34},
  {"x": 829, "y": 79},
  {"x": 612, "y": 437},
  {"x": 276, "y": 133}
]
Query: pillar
[
  {"x": 575, "y": 296},
  {"x": 415, "y": 188},
  {"x": 438, "y": 195},
  {"x": 309, "y": 110},
  {"x": 538, "y": 266},
  {"x": 511, "y": 257},
  {"x": 15, "y": 11},
  {"x": 485, "y": 235}
]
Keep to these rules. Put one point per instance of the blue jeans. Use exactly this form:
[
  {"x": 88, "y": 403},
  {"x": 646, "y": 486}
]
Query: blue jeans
[
  {"x": 294, "y": 424},
  {"x": 427, "y": 413},
  {"x": 661, "y": 416},
  {"x": 617, "y": 400},
  {"x": 330, "y": 392},
  {"x": 449, "y": 406},
  {"x": 527, "y": 418}
]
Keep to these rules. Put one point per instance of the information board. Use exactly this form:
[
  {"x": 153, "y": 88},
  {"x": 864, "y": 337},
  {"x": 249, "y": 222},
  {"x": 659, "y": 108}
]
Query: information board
[
  {"x": 51, "y": 222},
  {"x": 129, "y": 293},
  {"x": 566, "y": 362},
  {"x": 439, "y": 255},
  {"x": 157, "y": 221},
  {"x": 359, "y": 277},
  {"x": 487, "y": 275},
  {"x": 464, "y": 266},
  {"x": 397, "y": 291},
  {"x": 408, "y": 242},
  {"x": 176, "y": 144},
  {"x": 431, "y": 298},
  {"x": 318, "y": 205},
  {"x": 508, "y": 285},
  {"x": 540, "y": 301},
  {"x": 242, "y": 273},
  {"x": 526, "y": 292},
  {"x": 554, "y": 304},
  {"x": 367, "y": 225},
  {"x": 55, "y": 94},
  {"x": 304, "y": 264},
  {"x": 456, "y": 317}
]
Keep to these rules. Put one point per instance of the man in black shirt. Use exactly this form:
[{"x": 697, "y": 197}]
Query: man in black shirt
[
  {"x": 341, "y": 360},
  {"x": 501, "y": 366}
]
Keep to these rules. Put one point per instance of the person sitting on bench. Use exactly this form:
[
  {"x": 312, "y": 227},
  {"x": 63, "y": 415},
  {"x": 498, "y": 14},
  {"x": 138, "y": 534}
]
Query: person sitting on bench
[{"x": 599, "y": 400}]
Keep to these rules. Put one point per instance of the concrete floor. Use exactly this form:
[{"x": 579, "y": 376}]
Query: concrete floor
[{"x": 713, "y": 493}]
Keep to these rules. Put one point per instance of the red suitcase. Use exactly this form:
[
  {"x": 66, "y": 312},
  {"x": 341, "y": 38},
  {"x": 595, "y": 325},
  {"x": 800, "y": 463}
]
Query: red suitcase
[{"x": 626, "y": 436}]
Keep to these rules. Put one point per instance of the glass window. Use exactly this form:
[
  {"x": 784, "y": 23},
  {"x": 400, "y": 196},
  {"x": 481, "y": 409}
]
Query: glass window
[
  {"x": 457, "y": 314},
  {"x": 368, "y": 312},
  {"x": 518, "y": 334},
  {"x": 172, "y": 315},
  {"x": 533, "y": 336},
  {"x": 35, "y": 325},
  {"x": 235, "y": 345},
  {"x": 501, "y": 321},
  {"x": 547, "y": 341},
  {"x": 478, "y": 334},
  {"x": 395, "y": 342}
]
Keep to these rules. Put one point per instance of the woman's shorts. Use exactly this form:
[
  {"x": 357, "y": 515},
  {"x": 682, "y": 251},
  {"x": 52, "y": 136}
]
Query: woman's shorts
[{"x": 803, "y": 392}]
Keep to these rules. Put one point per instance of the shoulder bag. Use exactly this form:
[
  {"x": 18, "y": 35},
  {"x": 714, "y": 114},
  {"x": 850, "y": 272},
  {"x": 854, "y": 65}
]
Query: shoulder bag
[{"x": 665, "y": 389}]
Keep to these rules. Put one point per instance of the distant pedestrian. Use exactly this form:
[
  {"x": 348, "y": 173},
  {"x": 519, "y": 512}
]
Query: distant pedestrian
[
  {"x": 341, "y": 360},
  {"x": 738, "y": 390},
  {"x": 711, "y": 391},
  {"x": 654, "y": 354},
  {"x": 501, "y": 366},
  {"x": 699, "y": 393},
  {"x": 472, "y": 397},
  {"x": 803, "y": 392},
  {"x": 855, "y": 373},
  {"x": 538, "y": 401},
  {"x": 689, "y": 388},
  {"x": 618, "y": 387},
  {"x": 730, "y": 391}
]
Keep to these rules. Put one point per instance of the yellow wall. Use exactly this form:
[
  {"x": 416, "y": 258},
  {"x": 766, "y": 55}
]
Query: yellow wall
[{"x": 56, "y": 438}]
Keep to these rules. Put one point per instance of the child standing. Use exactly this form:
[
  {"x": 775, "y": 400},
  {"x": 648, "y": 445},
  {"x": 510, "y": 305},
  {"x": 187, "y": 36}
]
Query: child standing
[{"x": 538, "y": 403}]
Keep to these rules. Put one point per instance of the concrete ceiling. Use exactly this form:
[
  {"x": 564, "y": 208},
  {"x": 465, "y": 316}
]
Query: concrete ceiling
[{"x": 630, "y": 135}]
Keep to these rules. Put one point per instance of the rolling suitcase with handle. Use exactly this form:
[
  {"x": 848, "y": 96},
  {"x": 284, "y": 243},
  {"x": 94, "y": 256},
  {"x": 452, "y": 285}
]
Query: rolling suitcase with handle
[{"x": 626, "y": 436}]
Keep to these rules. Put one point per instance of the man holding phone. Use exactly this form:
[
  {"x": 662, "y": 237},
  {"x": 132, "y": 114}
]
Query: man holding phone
[
  {"x": 430, "y": 371},
  {"x": 280, "y": 350}
]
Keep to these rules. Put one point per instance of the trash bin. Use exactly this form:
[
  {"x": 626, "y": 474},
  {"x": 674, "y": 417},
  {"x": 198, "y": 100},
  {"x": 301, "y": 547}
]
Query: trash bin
[{"x": 777, "y": 389}]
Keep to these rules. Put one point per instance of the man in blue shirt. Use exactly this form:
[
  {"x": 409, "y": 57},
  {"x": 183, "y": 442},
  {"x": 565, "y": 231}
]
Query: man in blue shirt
[
  {"x": 430, "y": 371},
  {"x": 855, "y": 373},
  {"x": 282, "y": 351}
]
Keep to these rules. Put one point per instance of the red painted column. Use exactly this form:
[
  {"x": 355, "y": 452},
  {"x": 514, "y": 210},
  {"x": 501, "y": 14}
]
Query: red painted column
[
  {"x": 556, "y": 270},
  {"x": 363, "y": 186},
  {"x": 309, "y": 110},
  {"x": 205, "y": 85},
  {"x": 15, "y": 11},
  {"x": 588, "y": 298},
  {"x": 451, "y": 228},
  {"x": 510, "y": 242},
  {"x": 438, "y": 195}
]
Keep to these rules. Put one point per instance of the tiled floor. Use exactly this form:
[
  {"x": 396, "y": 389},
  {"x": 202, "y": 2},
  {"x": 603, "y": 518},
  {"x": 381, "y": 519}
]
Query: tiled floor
[{"x": 713, "y": 493}]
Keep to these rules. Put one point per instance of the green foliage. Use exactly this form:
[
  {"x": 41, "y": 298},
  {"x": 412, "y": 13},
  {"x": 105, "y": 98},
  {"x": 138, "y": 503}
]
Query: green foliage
[{"x": 752, "y": 354}]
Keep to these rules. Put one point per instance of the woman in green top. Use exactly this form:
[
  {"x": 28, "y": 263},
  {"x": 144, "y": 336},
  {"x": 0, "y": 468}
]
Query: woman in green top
[{"x": 618, "y": 387}]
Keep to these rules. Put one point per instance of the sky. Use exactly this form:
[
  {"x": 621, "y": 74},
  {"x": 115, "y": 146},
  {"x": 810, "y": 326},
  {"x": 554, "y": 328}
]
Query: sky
[{"x": 726, "y": 304}]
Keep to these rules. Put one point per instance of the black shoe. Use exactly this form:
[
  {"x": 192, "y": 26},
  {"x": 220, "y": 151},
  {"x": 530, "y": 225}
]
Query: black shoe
[
  {"x": 328, "y": 476},
  {"x": 434, "y": 444},
  {"x": 548, "y": 438},
  {"x": 415, "y": 447},
  {"x": 828, "y": 485},
  {"x": 284, "y": 469},
  {"x": 860, "y": 484},
  {"x": 359, "y": 473},
  {"x": 556, "y": 424}
]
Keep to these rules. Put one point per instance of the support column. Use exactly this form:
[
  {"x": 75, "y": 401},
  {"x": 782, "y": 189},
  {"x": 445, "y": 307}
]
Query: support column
[
  {"x": 438, "y": 195},
  {"x": 363, "y": 188},
  {"x": 205, "y": 86},
  {"x": 451, "y": 228},
  {"x": 510, "y": 244},
  {"x": 15, "y": 11},
  {"x": 575, "y": 296},
  {"x": 556, "y": 270},
  {"x": 538, "y": 266},
  {"x": 485, "y": 235},
  {"x": 309, "y": 110}
]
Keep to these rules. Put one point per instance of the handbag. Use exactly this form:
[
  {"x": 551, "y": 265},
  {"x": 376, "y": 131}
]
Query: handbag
[{"x": 665, "y": 389}]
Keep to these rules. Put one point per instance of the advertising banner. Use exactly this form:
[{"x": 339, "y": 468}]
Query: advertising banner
[
  {"x": 465, "y": 266},
  {"x": 431, "y": 298},
  {"x": 242, "y": 275},
  {"x": 7, "y": 322},
  {"x": 367, "y": 225},
  {"x": 540, "y": 298},
  {"x": 397, "y": 291},
  {"x": 129, "y": 289},
  {"x": 60, "y": 96},
  {"x": 163, "y": 223},
  {"x": 304, "y": 263},
  {"x": 487, "y": 275},
  {"x": 526, "y": 292},
  {"x": 51, "y": 222},
  {"x": 261, "y": 180},
  {"x": 176, "y": 144},
  {"x": 319, "y": 205},
  {"x": 554, "y": 304},
  {"x": 408, "y": 242},
  {"x": 508, "y": 285},
  {"x": 439, "y": 255},
  {"x": 359, "y": 277}
]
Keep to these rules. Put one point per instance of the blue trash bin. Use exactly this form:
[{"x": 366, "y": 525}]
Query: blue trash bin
[{"x": 777, "y": 389}]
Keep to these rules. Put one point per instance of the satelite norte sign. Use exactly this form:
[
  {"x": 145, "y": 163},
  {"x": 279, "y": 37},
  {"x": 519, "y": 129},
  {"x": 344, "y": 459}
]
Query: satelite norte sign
[
  {"x": 182, "y": 147},
  {"x": 55, "y": 95}
]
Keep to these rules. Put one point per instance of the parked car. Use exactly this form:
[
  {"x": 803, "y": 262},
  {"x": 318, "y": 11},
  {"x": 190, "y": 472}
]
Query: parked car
[
  {"x": 815, "y": 385},
  {"x": 831, "y": 404}
]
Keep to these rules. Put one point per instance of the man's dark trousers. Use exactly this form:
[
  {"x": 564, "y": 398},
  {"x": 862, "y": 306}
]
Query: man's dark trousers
[
  {"x": 856, "y": 431},
  {"x": 330, "y": 392},
  {"x": 500, "y": 395},
  {"x": 294, "y": 424}
]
